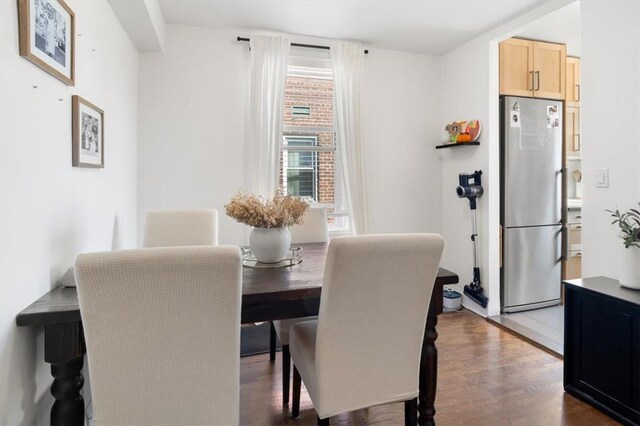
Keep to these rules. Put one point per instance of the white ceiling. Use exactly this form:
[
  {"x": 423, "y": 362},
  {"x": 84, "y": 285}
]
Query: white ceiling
[{"x": 428, "y": 26}]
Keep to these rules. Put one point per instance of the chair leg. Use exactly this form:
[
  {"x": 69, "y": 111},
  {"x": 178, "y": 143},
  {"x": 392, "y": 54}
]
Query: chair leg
[
  {"x": 323, "y": 422},
  {"x": 411, "y": 412},
  {"x": 297, "y": 384},
  {"x": 272, "y": 343},
  {"x": 286, "y": 373}
]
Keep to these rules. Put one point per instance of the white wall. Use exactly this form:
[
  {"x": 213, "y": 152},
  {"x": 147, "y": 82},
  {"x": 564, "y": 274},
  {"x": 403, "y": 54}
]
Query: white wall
[
  {"x": 192, "y": 124},
  {"x": 400, "y": 101},
  {"x": 192, "y": 121},
  {"x": 610, "y": 108},
  {"x": 51, "y": 211},
  {"x": 560, "y": 26}
]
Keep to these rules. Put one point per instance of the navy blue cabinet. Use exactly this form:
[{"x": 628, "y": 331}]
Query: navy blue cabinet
[{"x": 602, "y": 346}]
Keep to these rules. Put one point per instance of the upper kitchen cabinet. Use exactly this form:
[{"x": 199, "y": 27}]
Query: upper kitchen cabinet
[
  {"x": 516, "y": 67},
  {"x": 573, "y": 82},
  {"x": 532, "y": 68}
]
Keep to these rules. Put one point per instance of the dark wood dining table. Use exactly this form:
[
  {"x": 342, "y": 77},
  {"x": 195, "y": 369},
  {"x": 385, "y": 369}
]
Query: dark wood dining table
[{"x": 267, "y": 294}]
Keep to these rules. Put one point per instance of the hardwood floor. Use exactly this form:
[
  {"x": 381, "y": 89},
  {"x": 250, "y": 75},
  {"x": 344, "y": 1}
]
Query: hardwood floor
[
  {"x": 486, "y": 376},
  {"x": 542, "y": 327}
]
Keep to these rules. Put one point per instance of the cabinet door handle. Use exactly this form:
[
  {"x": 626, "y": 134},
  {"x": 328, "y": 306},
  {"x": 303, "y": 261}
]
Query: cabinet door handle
[
  {"x": 532, "y": 84},
  {"x": 578, "y": 92},
  {"x": 579, "y": 254},
  {"x": 537, "y": 80}
]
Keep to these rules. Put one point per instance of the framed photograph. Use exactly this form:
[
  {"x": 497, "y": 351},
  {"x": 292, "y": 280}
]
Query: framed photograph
[
  {"x": 47, "y": 36},
  {"x": 87, "y": 133}
]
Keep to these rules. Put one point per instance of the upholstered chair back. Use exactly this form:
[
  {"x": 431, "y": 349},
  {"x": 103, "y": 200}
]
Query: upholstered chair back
[
  {"x": 181, "y": 228},
  {"x": 162, "y": 330},
  {"x": 372, "y": 317},
  {"x": 314, "y": 229}
]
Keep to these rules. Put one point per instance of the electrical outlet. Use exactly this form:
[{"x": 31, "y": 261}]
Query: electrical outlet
[{"x": 602, "y": 178}]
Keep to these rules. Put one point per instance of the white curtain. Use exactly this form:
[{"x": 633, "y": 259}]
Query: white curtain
[
  {"x": 269, "y": 56},
  {"x": 346, "y": 59}
]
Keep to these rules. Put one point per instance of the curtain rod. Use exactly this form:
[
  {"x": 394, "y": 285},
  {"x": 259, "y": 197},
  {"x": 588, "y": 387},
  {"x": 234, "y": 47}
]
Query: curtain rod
[{"x": 309, "y": 46}]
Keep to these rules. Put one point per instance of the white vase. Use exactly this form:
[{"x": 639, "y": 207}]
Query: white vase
[
  {"x": 270, "y": 245},
  {"x": 630, "y": 267}
]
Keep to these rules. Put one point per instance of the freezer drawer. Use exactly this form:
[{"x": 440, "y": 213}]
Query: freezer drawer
[{"x": 532, "y": 267}]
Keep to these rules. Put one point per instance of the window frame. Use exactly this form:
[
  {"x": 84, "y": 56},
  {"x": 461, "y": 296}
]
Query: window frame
[
  {"x": 318, "y": 68},
  {"x": 314, "y": 149}
]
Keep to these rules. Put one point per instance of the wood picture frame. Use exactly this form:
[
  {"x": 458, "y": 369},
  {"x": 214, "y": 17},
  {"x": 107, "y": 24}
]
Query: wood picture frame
[
  {"x": 47, "y": 31},
  {"x": 87, "y": 134}
]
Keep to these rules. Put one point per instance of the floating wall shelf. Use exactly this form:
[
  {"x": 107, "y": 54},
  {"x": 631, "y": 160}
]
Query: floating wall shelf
[{"x": 451, "y": 145}]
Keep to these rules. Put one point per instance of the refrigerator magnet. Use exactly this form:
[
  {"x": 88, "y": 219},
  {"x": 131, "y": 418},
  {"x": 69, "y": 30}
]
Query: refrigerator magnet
[
  {"x": 553, "y": 115},
  {"x": 515, "y": 119}
]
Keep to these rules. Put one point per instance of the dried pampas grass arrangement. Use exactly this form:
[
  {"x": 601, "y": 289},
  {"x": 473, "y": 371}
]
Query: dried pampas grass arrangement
[{"x": 281, "y": 210}]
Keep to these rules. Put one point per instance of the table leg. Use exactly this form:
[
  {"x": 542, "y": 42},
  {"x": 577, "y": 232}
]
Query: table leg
[
  {"x": 428, "y": 374},
  {"x": 429, "y": 362},
  {"x": 64, "y": 349}
]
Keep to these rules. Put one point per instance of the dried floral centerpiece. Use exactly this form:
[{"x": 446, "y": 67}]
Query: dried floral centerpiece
[{"x": 270, "y": 218}]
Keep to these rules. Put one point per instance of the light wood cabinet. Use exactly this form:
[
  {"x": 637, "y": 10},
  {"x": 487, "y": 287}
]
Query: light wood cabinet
[
  {"x": 573, "y": 82},
  {"x": 572, "y": 131},
  {"x": 575, "y": 235},
  {"x": 516, "y": 67},
  {"x": 573, "y": 266},
  {"x": 550, "y": 61},
  {"x": 532, "y": 68}
]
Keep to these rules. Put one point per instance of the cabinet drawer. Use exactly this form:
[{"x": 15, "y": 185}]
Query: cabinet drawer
[
  {"x": 574, "y": 216},
  {"x": 573, "y": 265},
  {"x": 575, "y": 235}
]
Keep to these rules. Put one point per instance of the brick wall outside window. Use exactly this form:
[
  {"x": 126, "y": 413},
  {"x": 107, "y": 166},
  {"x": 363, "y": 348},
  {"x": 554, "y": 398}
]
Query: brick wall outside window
[{"x": 317, "y": 94}]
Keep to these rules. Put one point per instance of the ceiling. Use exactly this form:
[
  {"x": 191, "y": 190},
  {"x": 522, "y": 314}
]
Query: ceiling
[{"x": 430, "y": 26}]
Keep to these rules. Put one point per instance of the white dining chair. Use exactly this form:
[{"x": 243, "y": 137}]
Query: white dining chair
[
  {"x": 314, "y": 229},
  {"x": 162, "y": 331},
  {"x": 364, "y": 348},
  {"x": 181, "y": 228}
]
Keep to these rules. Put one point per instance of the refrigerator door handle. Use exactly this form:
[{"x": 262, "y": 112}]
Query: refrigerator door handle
[
  {"x": 565, "y": 244},
  {"x": 501, "y": 246}
]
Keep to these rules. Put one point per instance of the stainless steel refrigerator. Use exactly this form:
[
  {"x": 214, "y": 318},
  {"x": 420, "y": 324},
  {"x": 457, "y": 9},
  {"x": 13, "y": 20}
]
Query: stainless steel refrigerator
[{"x": 531, "y": 211}]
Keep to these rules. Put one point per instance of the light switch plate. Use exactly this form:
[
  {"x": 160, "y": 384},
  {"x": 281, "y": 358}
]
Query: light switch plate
[{"x": 602, "y": 178}]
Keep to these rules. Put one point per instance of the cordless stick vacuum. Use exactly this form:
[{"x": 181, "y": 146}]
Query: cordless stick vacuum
[{"x": 471, "y": 187}]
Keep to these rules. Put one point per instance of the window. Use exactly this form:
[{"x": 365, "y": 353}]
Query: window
[
  {"x": 307, "y": 162},
  {"x": 300, "y": 166}
]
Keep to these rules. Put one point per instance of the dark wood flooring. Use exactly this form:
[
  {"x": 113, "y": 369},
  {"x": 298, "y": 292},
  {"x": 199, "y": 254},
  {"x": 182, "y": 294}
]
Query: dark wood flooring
[{"x": 486, "y": 376}]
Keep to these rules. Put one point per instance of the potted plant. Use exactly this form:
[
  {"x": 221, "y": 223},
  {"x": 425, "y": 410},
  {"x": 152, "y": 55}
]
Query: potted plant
[
  {"x": 629, "y": 224},
  {"x": 270, "y": 218}
]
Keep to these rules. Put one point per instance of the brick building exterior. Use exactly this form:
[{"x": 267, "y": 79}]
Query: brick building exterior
[{"x": 317, "y": 95}]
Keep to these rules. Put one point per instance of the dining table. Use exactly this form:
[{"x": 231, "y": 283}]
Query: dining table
[{"x": 267, "y": 294}]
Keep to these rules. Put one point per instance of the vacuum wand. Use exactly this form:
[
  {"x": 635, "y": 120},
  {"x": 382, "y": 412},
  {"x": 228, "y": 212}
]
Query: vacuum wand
[{"x": 470, "y": 187}]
